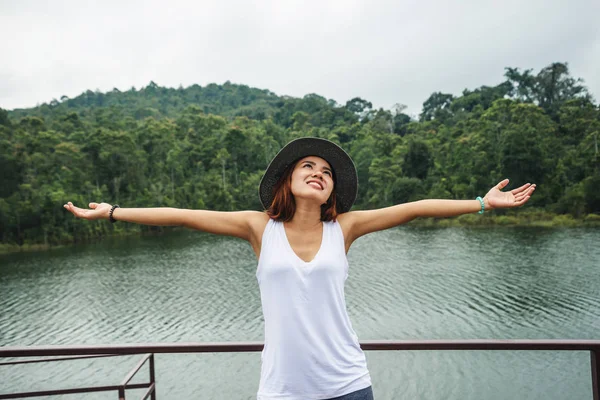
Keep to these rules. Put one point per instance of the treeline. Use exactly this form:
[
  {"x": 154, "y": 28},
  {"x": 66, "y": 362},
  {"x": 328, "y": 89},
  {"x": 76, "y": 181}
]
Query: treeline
[{"x": 207, "y": 147}]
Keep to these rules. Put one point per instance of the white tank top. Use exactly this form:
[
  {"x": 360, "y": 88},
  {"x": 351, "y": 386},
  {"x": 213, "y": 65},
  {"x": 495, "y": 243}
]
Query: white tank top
[{"x": 311, "y": 350}]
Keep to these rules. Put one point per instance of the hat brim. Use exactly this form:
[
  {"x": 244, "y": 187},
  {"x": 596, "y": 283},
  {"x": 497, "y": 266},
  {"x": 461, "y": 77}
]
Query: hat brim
[{"x": 346, "y": 185}]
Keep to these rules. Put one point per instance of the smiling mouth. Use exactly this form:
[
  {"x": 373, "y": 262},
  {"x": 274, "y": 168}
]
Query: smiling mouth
[{"x": 316, "y": 185}]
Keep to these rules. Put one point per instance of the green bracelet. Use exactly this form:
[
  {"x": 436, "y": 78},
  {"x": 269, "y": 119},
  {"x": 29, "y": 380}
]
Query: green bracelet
[{"x": 482, "y": 205}]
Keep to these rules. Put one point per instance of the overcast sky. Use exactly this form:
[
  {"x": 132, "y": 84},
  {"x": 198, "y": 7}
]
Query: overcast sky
[{"x": 384, "y": 51}]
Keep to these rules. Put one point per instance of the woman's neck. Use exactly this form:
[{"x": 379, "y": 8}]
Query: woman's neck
[{"x": 305, "y": 217}]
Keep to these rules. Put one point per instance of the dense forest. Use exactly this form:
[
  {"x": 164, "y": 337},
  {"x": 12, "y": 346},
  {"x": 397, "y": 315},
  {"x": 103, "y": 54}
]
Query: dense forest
[{"x": 207, "y": 147}]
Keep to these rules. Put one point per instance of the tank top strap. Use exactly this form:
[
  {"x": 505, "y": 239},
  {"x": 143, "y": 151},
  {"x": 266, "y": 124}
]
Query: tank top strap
[
  {"x": 334, "y": 236},
  {"x": 270, "y": 238}
]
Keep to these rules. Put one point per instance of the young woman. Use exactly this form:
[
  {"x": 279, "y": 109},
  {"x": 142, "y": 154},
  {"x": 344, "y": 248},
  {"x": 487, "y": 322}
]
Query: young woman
[{"x": 301, "y": 241}]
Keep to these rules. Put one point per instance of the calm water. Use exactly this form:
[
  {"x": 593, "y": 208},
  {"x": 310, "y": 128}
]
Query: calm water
[{"x": 405, "y": 283}]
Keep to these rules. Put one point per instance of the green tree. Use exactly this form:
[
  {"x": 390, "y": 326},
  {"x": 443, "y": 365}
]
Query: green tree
[
  {"x": 418, "y": 160},
  {"x": 437, "y": 107}
]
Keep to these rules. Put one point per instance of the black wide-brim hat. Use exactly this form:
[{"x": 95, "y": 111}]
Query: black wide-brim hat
[{"x": 346, "y": 178}]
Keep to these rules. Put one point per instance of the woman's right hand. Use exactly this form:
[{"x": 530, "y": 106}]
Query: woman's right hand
[{"x": 96, "y": 211}]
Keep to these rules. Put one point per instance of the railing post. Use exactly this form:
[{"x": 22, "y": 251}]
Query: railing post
[
  {"x": 595, "y": 357},
  {"x": 152, "y": 377},
  {"x": 121, "y": 393}
]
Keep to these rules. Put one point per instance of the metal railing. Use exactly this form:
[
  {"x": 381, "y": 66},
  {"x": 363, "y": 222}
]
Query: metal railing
[
  {"x": 150, "y": 386},
  {"x": 77, "y": 352}
]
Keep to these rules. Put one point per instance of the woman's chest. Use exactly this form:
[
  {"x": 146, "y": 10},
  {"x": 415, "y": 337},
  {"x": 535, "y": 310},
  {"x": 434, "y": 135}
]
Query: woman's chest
[{"x": 305, "y": 246}]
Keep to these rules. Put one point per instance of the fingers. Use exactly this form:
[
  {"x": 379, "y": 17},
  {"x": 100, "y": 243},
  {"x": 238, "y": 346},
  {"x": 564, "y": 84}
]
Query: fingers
[
  {"x": 69, "y": 206},
  {"x": 523, "y": 194},
  {"x": 522, "y": 201},
  {"x": 93, "y": 205},
  {"x": 76, "y": 211},
  {"x": 527, "y": 192},
  {"x": 522, "y": 188},
  {"x": 520, "y": 197},
  {"x": 502, "y": 184}
]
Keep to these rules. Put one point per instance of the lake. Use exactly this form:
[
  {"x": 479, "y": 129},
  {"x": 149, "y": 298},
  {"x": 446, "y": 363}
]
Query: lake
[{"x": 407, "y": 283}]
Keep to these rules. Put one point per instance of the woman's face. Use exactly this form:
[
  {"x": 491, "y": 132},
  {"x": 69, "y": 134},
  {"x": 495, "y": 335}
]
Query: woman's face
[{"x": 312, "y": 179}]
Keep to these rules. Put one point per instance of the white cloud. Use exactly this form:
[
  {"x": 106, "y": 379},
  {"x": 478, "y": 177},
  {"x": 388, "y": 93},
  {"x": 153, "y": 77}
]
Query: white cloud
[{"x": 384, "y": 51}]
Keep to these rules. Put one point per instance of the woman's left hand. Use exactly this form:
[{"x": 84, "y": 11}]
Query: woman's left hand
[{"x": 515, "y": 198}]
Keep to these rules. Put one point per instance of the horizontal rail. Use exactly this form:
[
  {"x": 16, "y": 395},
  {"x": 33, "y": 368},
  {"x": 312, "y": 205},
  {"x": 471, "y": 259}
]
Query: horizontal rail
[
  {"x": 41, "y": 360},
  {"x": 72, "y": 391},
  {"x": 227, "y": 347}
]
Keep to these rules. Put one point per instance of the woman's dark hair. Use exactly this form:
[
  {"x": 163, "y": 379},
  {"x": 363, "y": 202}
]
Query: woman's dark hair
[{"x": 283, "y": 206}]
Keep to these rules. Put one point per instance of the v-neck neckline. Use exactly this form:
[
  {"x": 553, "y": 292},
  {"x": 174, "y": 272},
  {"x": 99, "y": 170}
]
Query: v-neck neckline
[{"x": 289, "y": 245}]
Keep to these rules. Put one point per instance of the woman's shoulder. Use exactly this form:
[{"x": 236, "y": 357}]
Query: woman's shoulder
[
  {"x": 344, "y": 218},
  {"x": 258, "y": 221},
  {"x": 259, "y": 218}
]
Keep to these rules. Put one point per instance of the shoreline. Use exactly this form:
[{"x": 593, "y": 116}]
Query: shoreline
[
  {"x": 11, "y": 248},
  {"x": 534, "y": 219},
  {"x": 537, "y": 219}
]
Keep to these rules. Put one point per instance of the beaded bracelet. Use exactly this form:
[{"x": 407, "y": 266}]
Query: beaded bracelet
[
  {"x": 110, "y": 217},
  {"x": 482, "y": 205}
]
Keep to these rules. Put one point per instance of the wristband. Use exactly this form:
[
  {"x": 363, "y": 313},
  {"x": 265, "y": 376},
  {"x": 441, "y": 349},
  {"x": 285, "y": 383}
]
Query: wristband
[
  {"x": 110, "y": 217},
  {"x": 480, "y": 201}
]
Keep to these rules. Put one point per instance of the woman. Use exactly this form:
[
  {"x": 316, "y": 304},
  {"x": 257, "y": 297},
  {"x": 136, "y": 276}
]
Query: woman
[{"x": 301, "y": 241}]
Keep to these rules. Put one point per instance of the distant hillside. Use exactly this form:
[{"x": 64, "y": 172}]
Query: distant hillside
[{"x": 229, "y": 100}]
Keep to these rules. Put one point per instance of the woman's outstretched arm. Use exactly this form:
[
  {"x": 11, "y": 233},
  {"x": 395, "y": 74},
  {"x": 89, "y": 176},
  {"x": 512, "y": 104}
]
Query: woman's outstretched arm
[
  {"x": 359, "y": 223},
  {"x": 234, "y": 223}
]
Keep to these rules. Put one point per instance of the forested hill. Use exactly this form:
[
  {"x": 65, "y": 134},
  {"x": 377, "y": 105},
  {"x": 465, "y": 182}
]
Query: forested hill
[
  {"x": 207, "y": 147},
  {"x": 155, "y": 101}
]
